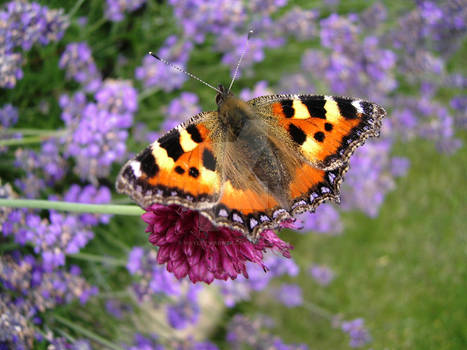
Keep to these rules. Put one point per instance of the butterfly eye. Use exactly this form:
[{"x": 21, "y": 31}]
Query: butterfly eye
[{"x": 219, "y": 98}]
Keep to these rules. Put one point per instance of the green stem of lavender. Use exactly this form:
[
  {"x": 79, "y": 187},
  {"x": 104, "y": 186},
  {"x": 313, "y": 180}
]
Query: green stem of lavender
[
  {"x": 32, "y": 139},
  {"x": 318, "y": 310},
  {"x": 97, "y": 258},
  {"x": 87, "y": 333},
  {"x": 147, "y": 93},
  {"x": 75, "y": 8},
  {"x": 96, "y": 25},
  {"x": 132, "y": 210},
  {"x": 30, "y": 131}
]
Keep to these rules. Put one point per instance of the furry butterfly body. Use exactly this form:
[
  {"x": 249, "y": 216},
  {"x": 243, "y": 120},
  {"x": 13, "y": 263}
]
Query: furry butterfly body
[{"x": 252, "y": 164}]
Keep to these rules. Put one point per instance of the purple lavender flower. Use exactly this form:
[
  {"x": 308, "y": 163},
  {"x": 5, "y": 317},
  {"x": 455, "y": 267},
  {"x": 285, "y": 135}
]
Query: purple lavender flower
[
  {"x": 65, "y": 344},
  {"x": 459, "y": 104},
  {"x": 117, "y": 308},
  {"x": 258, "y": 279},
  {"x": 321, "y": 274},
  {"x": 260, "y": 89},
  {"x": 426, "y": 118},
  {"x": 98, "y": 131},
  {"x": 29, "y": 23},
  {"x": 180, "y": 109},
  {"x": 373, "y": 16},
  {"x": 141, "y": 342},
  {"x": 325, "y": 219},
  {"x": 186, "y": 311},
  {"x": 10, "y": 69},
  {"x": 359, "y": 335},
  {"x": 369, "y": 178},
  {"x": 92, "y": 195},
  {"x": 143, "y": 134},
  {"x": 200, "y": 17},
  {"x": 266, "y": 7},
  {"x": 299, "y": 23},
  {"x": 115, "y": 9},
  {"x": 60, "y": 234},
  {"x": 154, "y": 73},
  {"x": 237, "y": 45},
  {"x": 153, "y": 278},
  {"x": 45, "y": 289},
  {"x": 399, "y": 166},
  {"x": 290, "y": 295},
  {"x": 79, "y": 65},
  {"x": 245, "y": 333},
  {"x": 24, "y": 24},
  {"x": 16, "y": 329},
  {"x": 8, "y": 115}
]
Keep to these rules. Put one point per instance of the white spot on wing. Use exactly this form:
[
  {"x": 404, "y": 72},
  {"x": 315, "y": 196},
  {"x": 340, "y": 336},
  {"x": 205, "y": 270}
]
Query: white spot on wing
[
  {"x": 296, "y": 204},
  {"x": 237, "y": 218},
  {"x": 358, "y": 106},
  {"x": 136, "y": 167},
  {"x": 253, "y": 223}
]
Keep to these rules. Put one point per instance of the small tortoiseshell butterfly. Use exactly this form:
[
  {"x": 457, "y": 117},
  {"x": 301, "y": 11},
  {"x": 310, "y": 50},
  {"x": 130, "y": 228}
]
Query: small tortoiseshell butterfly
[{"x": 251, "y": 165}]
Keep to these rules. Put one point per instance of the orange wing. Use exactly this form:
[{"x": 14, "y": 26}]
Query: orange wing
[
  {"x": 326, "y": 129},
  {"x": 179, "y": 168}
]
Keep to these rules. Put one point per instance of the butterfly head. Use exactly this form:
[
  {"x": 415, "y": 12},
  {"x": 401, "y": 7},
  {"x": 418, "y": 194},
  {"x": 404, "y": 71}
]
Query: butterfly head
[{"x": 222, "y": 95}]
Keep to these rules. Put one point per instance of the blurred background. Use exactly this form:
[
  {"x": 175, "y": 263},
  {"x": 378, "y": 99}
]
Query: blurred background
[{"x": 79, "y": 96}]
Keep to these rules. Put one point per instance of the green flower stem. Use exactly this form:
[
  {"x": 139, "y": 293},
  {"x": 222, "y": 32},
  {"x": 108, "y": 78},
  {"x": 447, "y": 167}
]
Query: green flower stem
[
  {"x": 113, "y": 209},
  {"x": 25, "y": 131},
  {"x": 87, "y": 333},
  {"x": 147, "y": 93},
  {"x": 75, "y": 8},
  {"x": 97, "y": 258},
  {"x": 99, "y": 23},
  {"x": 32, "y": 139},
  {"x": 318, "y": 310}
]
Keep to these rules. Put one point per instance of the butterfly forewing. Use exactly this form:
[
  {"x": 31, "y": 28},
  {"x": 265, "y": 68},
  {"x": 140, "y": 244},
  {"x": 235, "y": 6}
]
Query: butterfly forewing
[{"x": 179, "y": 168}]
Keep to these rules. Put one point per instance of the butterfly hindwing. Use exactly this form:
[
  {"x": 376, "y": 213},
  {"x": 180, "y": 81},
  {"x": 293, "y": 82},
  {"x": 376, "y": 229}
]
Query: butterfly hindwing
[{"x": 179, "y": 168}]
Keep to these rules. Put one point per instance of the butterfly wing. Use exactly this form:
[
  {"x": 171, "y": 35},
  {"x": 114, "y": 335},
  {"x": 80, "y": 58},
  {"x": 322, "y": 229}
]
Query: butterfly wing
[
  {"x": 179, "y": 168},
  {"x": 326, "y": 129}
]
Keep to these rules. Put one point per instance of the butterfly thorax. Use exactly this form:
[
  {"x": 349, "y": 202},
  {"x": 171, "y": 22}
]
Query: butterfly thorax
[{"x": 248, "y": 145}]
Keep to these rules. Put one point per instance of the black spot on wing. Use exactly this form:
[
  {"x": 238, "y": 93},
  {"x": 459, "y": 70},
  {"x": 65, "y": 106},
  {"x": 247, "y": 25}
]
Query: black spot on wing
[
  {"x": 194, "y": 132},
  {"x": 287, "y": 108},
  {"x": 179, "y": 170},
  {"x": 171, "y": 143},
  {"x": 328, "y": 126},
  {"x": 348, "y": 111},
  {"x": 148, "y": 162},
  {"x": 319, "y": 136},
  {"x": 193, "y": 172},
  {"x": 297, "y": 134},
  {"x": 315, "y": 106},
  {"x": 209, "y": 162}
]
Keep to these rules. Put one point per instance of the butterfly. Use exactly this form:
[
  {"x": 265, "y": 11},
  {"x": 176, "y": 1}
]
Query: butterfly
[{"x": 252, "y": 164}]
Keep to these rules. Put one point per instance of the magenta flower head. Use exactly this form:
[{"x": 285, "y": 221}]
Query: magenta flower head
[{"x": 192, "y": 246}]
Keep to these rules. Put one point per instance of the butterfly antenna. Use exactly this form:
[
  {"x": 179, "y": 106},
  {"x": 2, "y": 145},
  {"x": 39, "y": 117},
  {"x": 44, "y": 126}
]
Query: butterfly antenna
[
  {"x": 250, "y": 33},
  {"x": 183, "y": 71}
]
